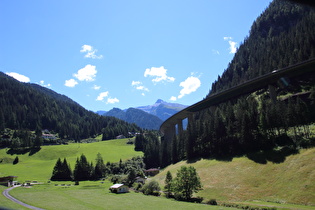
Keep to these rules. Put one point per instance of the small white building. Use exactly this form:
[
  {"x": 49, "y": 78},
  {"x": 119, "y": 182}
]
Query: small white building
[
  {"x": 119, "y": 188},
  {"x": 49, "y": 136}
]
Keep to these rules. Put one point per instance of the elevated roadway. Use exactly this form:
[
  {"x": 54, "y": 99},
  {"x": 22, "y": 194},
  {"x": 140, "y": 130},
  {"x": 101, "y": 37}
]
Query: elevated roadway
[{"x": 168, "y": 126}]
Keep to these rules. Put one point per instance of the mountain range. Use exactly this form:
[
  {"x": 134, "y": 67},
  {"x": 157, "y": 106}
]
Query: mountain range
[{"x": 147, "y": 117}]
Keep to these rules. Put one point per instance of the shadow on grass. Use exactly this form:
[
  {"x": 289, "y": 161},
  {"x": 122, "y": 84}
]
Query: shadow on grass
[
  {"x": 23, "y": 151},
  {"x": 274, "y": 155}
]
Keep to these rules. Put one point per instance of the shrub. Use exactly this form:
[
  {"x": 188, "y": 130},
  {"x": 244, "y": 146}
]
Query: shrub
[
  {"x": 151, "y": 187},
  {"x": 196, "y": 200},
  {"x": 212, "y": 202},
  {"x": 156, "y": 193},
  {"x": 137, "y": 186}
]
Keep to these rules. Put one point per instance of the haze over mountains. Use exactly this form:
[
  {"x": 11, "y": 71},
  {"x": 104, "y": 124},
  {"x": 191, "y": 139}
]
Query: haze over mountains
[{"x": 147, "y": 117}]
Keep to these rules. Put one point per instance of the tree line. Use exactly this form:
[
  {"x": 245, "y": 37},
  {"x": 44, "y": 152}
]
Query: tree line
[{"x": 122, "y": 171}]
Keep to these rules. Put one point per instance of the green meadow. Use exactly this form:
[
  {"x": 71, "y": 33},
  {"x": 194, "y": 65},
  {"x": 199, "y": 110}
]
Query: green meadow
[
  {"x": 95, "y": 195},
  {"x": 289, "y": 184},
  {"x": 39, "y": 166},
  {"x": 88, "y": 194}
]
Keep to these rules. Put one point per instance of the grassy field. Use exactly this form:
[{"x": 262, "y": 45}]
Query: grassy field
[
  {"x": 95, "y": 195},
  {"x": 39, "y": 166},
  {"x": 240, "y": 180}
]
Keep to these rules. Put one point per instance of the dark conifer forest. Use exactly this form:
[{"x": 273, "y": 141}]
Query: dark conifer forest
[
  {"x": 281, "y": 36},
  {"x": 28, "y": 107}
]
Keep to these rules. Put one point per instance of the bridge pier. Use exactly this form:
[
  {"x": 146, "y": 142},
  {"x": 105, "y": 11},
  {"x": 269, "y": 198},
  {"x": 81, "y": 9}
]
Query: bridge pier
[
  {"x": 272, "y": 93},
  {"x": 169, "y": 133}
]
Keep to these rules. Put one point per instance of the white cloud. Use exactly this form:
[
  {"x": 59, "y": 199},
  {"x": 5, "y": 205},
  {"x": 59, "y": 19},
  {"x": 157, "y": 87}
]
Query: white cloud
[
  {"x": 42, "y": 83},
  {"x": 101, "y": 96},
  {"x": 216, "y": 52},
  {"x": 191, "y": 84},
  {"x": 227, "y": 38},
  {"x": 71, "y": 83},
  {"x": 141, "y": 87},
  {"x": 160, "y": 74},
  {"x": 112, "y": 100},
  {"x": 233, "y": 45},
  {"x": 88, "y": 73},
  {"x": 135, "y": 83},
  {"x": 138, "y": 85},
  {"x": 173, "y": 98},
  {"x": 96, "y": 87},
  {"x": 18, "y": 76},
  {"x": 90, "y": 52}
]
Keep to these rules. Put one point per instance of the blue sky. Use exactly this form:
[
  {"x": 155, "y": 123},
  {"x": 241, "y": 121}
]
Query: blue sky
[{"x": 105, "y": 54}]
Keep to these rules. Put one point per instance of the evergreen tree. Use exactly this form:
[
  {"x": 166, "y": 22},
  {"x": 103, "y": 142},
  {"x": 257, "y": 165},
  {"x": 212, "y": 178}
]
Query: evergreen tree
[
  {"x": 66, "y": 171},
  {"x": 57, "y": 171},
  {"x": 16, "y": 160},
  {"x": 83, "y": 170},
  {"x": 61, "y": 171},
  {"x": 100, "y": 168},
  {"x": 139, "y": 141},
  {"x": 168, "y": 183}
]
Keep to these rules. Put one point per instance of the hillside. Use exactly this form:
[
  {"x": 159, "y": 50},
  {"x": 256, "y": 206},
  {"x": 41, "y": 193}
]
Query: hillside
[
  {"x": 39, "y": 166},
  {"x": 241, "y": 179},
  {"x": 26, "y": 106},
  {"x": 140, "y": 118}
]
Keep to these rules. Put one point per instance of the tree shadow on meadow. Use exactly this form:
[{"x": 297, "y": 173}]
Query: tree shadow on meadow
[
  {"x": 23, "y": 151},
  {"x": 274, "y": 155}
]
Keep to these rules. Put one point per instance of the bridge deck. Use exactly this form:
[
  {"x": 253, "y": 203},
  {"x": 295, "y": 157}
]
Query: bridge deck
[{"x": 244, "y": 88}]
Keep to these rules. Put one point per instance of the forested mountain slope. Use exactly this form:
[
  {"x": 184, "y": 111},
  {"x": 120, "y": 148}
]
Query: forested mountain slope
[
  {"x": 281, "y": 36},
  {"x": 26, "y": 106},
  {"x": 137, "y": 116}
]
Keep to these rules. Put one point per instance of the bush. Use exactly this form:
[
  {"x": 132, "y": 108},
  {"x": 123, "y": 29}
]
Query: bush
[
  {"x": 212, "y": 202},
  {"x": 196, "y": 200},
  {"x": 137, "y": 186},
  {"x": 151, "y": 187},
  {"x": 169, "y": 195},
  {"x": 156, "y": 193}
]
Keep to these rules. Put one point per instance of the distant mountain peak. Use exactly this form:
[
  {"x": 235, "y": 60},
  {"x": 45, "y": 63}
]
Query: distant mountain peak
[{"x": 159, "y": 101}]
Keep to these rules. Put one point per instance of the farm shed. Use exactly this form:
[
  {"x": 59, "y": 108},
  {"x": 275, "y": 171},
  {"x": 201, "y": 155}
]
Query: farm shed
[
  {"x": 119, "y": 188},
  {"x": 8, "y": 181},
  {"x": 152, "y": 171}
]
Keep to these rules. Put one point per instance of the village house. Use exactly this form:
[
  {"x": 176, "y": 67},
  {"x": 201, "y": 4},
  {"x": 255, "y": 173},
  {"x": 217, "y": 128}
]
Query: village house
[
  {"x": 139, "y": 179},
  {"x": 120, "y": 137},
  {"x": 49, "y": 136},
  {"x": 119, "y": 188},
  {"x": 152, "y": 172}
]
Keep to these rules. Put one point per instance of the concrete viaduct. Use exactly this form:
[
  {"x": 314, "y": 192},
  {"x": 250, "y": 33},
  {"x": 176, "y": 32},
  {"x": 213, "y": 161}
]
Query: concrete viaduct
[{"x": 168, "y": 128}]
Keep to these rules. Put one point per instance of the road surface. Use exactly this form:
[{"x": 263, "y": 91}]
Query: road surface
[{"x": 7, "y": 195}]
